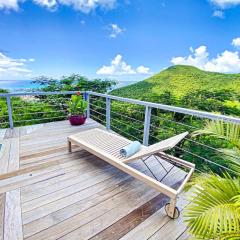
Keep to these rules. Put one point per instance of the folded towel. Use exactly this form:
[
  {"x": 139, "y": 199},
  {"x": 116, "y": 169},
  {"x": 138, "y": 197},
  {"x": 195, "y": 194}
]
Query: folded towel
[{"x": 130, "y": 149}]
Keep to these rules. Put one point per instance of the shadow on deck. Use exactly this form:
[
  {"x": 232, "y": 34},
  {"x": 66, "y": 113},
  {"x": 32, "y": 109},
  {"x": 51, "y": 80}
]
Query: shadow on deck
[{"x": 47, "y": 193}]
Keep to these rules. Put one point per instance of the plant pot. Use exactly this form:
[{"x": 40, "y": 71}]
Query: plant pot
[{"x": 77, "y": 119}]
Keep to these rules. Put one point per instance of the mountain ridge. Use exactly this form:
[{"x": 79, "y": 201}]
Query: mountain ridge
[{"x": 180, "y": 80}]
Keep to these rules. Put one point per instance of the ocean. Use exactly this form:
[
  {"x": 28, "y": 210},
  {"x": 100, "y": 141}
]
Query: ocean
[{"x": 27, "y": 85}]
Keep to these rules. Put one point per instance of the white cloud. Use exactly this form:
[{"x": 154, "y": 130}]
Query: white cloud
[
  {"x": 218, "y": 13},
  {"x": 236, "y": 42},
  {"x": 9, "y": 4},
  {"x": 143, "y": 70},
  {"x": 198, "y": 58},
  {"x": 46, "y": 3},
  {"x": 225, "y": 3},
  {"x": 115, "y": 30},
  {"x": 84, "y": 6},
  {"x": 119, "y": 67},
  {"x": 226, "y": 62},
  {"x": 12, "y": 68},
  {"x": 87, "y": 6}
]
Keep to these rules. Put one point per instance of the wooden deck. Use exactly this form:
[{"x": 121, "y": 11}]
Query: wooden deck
[{"x": 47, "y": 193}]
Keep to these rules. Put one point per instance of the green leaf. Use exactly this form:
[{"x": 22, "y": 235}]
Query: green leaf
[{"x": 214, "y": 210}]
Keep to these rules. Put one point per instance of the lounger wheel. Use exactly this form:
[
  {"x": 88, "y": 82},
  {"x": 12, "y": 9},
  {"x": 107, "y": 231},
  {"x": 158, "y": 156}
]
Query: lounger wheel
[{"x": 176, "y": 211}]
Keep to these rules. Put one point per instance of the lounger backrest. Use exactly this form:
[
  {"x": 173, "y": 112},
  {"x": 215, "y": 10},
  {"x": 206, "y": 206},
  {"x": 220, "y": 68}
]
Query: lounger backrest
[
  {"x": 159, "y": 147},
  {"x": 168, "y": 143}
]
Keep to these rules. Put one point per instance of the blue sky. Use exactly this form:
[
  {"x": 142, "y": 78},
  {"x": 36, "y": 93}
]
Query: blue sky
[{"x": 122, "y": 39}]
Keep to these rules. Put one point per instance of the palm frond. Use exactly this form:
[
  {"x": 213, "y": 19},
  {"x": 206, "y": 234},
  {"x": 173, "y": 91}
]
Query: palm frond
[
  {"x": 236, "y": 199},
  {"x": 225, "y": 130},
  {"x": 213, "y": 210},
  {"x": 198, "y": 179},
  {"x": 233, "y": 157},
  {"x": 231, "y": 133}
]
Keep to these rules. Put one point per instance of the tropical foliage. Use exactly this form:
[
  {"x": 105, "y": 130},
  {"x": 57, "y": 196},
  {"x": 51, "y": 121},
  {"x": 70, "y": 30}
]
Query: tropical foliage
[
  {"x": 74, "y": 82},
  {"x": 229, "y": 132},
  {"x": 214, "y": 212},
  {"x": 221, "y": 129}
]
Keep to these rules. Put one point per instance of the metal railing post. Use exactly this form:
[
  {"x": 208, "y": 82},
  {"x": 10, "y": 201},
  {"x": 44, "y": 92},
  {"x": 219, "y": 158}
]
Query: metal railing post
[
  {"x": 87, "y": 98},
  {"x": 8, "y": 98},
  {"x": 108, "y": 113},
  {"x": 147, "y": 122}
]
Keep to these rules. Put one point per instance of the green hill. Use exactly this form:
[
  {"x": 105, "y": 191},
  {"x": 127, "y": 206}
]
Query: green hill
[{"x": 180, "y": 81}]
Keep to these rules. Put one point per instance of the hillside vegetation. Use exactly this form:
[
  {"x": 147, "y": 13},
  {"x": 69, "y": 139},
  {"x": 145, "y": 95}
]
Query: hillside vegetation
[{"x": 180, "y": 81}]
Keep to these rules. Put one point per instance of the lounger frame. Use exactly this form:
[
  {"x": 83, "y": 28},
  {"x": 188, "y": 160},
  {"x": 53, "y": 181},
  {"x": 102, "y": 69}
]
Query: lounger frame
[{"x": 122, "y": 165}]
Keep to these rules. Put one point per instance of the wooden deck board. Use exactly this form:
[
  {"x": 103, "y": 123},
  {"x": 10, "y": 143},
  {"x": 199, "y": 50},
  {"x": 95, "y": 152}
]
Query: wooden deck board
[
  {"x": 73, "y": 198},
  {"x": 12, "y": 225},
  {"x": 156, "y": 222},
  {"x": 4, "y": 156},
  {"x": 184, "y": 236},
  {"x": 171, "y": 230},
  {"x": 12, "y": 216},
  {"x": 2, "y": 208},
  {"x": 133, "y": 219},
  {"x": 50, "y": 194}
]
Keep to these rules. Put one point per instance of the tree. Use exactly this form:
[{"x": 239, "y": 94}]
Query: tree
[
  {"x": 74, "y": 82},
  {"x": 213, "y": 101}
]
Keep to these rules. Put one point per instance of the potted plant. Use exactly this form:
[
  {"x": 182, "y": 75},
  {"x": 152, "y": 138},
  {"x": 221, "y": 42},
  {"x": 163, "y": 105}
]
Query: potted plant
[{"x": 77, "y": 108}]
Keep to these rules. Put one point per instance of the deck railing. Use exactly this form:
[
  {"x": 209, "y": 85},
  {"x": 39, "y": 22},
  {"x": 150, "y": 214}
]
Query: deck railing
[
  {"x": 41, "y": 106},
  {"x": 148, "y": 108},
  {"x": 138, "y": 120}
]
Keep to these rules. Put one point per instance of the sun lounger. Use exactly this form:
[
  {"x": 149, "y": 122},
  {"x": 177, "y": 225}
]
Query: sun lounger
[{"x": 106, "y": 145}]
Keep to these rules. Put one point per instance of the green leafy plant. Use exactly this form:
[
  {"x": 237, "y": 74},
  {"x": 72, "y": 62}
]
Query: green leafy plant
[
  {"x": 220, "y": 129},
  {"x": 214, "y": 211},
  {"x": 229, "y": 132},
  {"x": 77, "y": 106}
]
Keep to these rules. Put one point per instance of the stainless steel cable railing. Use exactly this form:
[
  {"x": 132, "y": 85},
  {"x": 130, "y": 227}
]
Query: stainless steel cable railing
[
  {"x": 137, "y": 120},
  {"x": 165, "y": 123},
  {"x": 29, "y": 108}
]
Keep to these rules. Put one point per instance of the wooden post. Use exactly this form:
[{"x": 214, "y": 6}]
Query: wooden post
[
  {"x": 172, "y": 207},
  {"x": 108, "y": 113},
  {"x": 8, "y": 98},
  {"x": 147, "y": 122},
  {"x": 69, "y": 146}
]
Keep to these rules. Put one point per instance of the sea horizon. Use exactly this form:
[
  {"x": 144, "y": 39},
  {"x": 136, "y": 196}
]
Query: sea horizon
[{"x": 28, "y": 85}]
